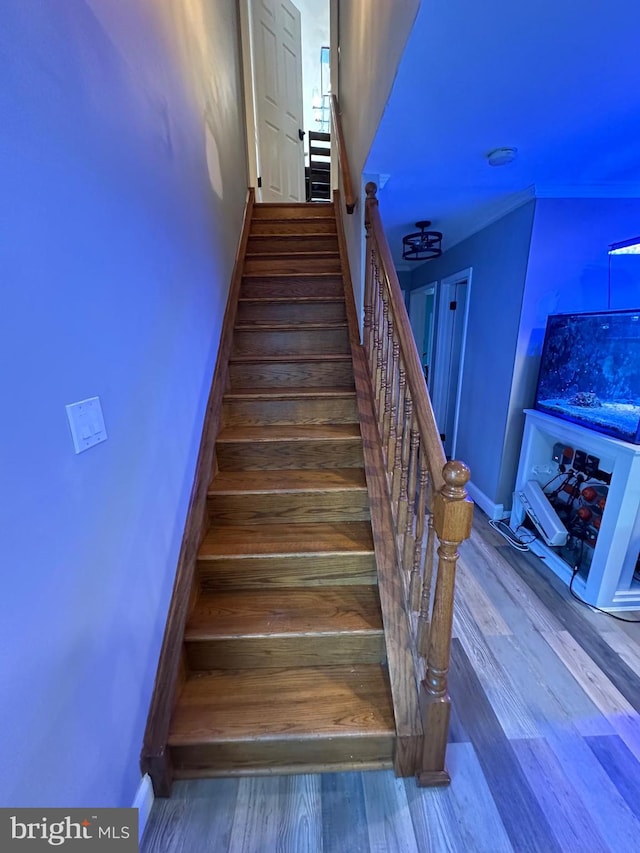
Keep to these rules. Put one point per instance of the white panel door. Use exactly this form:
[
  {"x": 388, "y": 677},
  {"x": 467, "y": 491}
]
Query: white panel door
[{"x": 277, "y": 80}]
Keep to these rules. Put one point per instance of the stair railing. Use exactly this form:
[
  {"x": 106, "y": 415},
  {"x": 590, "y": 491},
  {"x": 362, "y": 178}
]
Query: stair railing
[
  {"x": 428, "y": 497},
  {"x": 343, "y": 160}
]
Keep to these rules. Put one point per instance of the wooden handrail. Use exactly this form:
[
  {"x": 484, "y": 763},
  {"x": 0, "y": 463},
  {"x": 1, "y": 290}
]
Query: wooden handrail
[
  {"x": 415, "y": 376},
  {"x": 427, "y": 494},
  {"x": 350, "y": 198}
]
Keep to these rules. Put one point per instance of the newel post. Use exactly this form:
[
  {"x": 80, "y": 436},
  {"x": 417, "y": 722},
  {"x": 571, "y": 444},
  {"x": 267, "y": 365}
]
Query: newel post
[{"x": 452, "y": 516}]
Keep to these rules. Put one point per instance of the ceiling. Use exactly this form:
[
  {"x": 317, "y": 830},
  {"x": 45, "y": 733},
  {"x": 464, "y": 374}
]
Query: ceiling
[{"x": 557, "y": 79}]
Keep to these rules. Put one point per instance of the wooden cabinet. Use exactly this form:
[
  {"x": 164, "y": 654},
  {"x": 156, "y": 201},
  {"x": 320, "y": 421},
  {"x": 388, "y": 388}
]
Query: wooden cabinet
[{"x": 608, "y": 550}]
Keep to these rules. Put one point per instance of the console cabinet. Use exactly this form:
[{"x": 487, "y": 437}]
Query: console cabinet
[{"x": 609, "y": 581}]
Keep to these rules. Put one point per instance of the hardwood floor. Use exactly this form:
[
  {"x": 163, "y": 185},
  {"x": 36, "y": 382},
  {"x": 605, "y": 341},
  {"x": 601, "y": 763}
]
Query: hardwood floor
[{"x": 544, "y": 753}]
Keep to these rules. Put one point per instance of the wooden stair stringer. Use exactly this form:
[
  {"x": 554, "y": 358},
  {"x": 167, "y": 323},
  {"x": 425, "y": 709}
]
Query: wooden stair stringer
[
  {"x": 405, "y": 690},
  {"x": 155, "y": 757}
]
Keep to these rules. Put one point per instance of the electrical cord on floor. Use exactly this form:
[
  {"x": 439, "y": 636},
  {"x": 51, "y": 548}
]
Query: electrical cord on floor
[
  {"x": 507, "y": 533},
  {"x": 593, "y": 607}
]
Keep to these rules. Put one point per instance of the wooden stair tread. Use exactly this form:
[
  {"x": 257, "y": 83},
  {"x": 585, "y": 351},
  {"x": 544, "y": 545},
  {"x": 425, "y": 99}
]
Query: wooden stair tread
[
  {"x": 286, "y": 300},
  {"x": 257, "y": 540},
  {"x": 297, "y": 326},
  {"x": 285, "y": 612},
  {"x": 244, "y": 358},
  {"x": 292, "y": 210},
  {"x": 285, "y": 432},
  {"x": 293, "y": 275},
  {"x": 284, "y": 255},
  {"x": 288, "y": 393},
  {"x": 291, "y": 229},
  {"x": 287, "y": 481},
  {"x": 286, "y": 703}
]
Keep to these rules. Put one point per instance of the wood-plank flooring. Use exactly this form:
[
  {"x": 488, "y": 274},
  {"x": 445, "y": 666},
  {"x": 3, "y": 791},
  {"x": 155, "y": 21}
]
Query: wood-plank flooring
[{"x": 544, "y": 753}]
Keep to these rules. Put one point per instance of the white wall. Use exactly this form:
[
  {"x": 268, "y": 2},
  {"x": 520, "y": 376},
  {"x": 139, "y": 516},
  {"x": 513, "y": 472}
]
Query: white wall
[
  {"x": 372, "y": 38},
  {"x": 121, "y": 221}
]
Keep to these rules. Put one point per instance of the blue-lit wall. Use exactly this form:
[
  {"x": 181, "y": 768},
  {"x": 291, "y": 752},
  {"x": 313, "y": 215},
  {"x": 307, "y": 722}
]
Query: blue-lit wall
[
  {"x": 568, "y": 271},
  {"x": 123, "y": 180},
  {"x": 546, "y": 257},
  {"x": 498, "y": 256}
]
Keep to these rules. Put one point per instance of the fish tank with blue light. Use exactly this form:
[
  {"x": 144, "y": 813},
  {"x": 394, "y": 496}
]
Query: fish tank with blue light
[{"x": 590, "y": 371}]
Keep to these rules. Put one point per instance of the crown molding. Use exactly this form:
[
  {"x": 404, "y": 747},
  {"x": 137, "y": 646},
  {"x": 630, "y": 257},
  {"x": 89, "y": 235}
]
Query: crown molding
[{"x": 492, "y": 212}]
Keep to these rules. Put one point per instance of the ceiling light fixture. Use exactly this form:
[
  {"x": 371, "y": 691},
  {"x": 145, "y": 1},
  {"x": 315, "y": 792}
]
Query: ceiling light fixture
[
  {"x": 626, "y": 247},
  {"x": 422, "y": 245},
  {"x": 501, "y": 156}
]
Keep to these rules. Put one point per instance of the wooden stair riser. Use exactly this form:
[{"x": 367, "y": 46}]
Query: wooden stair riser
[
  {"x": 303, "y": 262},
  {"x": 296, "y": 228},
  {"x": 291, "y": 286},
  {"x": 275, "y": 717},
  {"x": 341, "y": 506},
  {"x": 293, "y": 211},
  {"x": 302, "y": 341},
  {"x": 294, "y": 755},
  {"x": 263, "y": 312},
  {"x": 281, "y": 373},
  {"x": 318, "y": 410},
  {"x": 258, "y": 456},
  {"x": 227, "y": 573},
  {"x": 277, "y": 244},
  {"x": 316, "y": 650}
]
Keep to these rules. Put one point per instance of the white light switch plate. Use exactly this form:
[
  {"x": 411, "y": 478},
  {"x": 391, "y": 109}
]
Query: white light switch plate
[{"x": 87, "y": 423}]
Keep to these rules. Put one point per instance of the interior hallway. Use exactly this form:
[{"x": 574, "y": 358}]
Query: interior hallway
[{"x": 544, "y": 753}]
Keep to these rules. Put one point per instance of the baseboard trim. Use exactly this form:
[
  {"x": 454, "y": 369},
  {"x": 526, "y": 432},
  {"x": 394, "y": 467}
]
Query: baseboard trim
[
  {"x": 143, "y": 801},
  {"x": 493, "y": 510}
]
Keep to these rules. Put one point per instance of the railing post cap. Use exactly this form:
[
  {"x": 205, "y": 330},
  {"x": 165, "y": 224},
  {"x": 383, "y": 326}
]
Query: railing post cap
[
  {"x": 456, "y": 475},
  {"x": 370, "y": 189}
]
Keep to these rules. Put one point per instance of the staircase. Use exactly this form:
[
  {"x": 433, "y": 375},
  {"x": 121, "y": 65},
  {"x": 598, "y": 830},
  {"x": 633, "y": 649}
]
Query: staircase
[{"x": 284, "y": 650}]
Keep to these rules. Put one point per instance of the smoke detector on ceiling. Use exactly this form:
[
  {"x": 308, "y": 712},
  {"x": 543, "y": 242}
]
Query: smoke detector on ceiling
[{"x": 501, "y": 156}]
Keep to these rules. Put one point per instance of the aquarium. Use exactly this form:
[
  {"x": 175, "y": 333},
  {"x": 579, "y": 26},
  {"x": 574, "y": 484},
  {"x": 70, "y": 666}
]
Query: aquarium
[{"x": 590, "y": 371}]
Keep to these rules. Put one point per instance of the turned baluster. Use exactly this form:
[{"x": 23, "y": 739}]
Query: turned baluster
[
  {"x": 368, "y": 292},
  {"x": 386, "y": 425},
  {"x": 424, "y": 618},
  {"x": 377, "y": 340},
  {"x": 393, "y": 408},
  {"x": 408, "y": 539},
  {"x": 370, "y": 256},
  {"x": 401, "y": 520},
  {"x": 384, "y": 363},
  {"x": 452, "y": 514},
  {"x": 397, "y": 454},
  {"x": 418, "y": 556}
]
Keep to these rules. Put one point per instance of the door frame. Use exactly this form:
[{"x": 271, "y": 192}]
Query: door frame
[
  {"x": 444, "y": 328},
  {"x": 249, "y": 100},
  {"x": 417, "y": 302}
]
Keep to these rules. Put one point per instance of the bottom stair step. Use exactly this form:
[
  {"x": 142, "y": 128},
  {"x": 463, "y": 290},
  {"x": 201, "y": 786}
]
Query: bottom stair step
[
  {"x": 312, "y": 626},
  {"x": 312, "y": 718}
]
